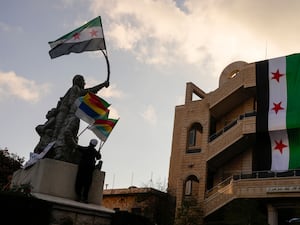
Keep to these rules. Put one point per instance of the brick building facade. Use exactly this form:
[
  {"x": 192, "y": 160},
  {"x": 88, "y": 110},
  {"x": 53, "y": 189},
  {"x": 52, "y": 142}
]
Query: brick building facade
[
  {"x": 146, "y": 202},
  {"x": 214, "y": 157}
]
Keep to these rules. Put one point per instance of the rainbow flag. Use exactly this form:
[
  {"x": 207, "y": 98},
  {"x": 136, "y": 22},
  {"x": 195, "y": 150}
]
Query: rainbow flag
[
  {"x": 91, "y": 107},
  {"x": 103, "y": 127}
]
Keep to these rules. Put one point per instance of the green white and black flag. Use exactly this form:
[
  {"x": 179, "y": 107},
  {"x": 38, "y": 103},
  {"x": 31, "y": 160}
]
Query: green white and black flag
[
  {"x": 278, "y": 112},
  {"x": 88, "y": 37}
]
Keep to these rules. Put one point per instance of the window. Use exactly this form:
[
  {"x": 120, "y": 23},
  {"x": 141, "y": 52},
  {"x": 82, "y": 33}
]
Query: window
[
  {"x": 191, "y": 186},
  {"x": 194, "y": 138},
  {"x": 188, "y": 187}
]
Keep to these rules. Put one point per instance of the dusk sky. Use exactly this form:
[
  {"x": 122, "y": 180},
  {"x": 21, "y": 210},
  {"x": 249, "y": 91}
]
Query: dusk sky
[{"x": 154, "y": 47}]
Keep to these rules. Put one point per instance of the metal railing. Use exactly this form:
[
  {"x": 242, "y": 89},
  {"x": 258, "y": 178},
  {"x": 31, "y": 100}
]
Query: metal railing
[
  {"x": 230, "y": 125},
  {"x": 252, "y": 175}
]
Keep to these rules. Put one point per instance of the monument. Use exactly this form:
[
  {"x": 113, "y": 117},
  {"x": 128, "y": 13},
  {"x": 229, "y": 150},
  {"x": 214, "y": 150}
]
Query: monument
[
  {"x": 52, "y": 168},
  {"x": 62, "y": 125}
]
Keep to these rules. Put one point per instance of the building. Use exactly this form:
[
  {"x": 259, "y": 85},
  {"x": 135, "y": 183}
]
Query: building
[
  {"x": 215, "y": 158},
  {"x": 146, "y": 202}
]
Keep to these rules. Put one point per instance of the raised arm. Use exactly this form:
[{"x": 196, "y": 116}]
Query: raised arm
[{"x": 98, "y": 87}]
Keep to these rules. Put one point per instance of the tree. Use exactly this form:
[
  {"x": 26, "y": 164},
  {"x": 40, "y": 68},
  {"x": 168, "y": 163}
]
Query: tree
[
  {"x": 189, "y": 213},
  {"x": 158, "y": 185},
  {"x": 9, "y": 163}
]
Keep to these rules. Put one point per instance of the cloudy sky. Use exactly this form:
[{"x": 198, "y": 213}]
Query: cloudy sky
[{"x": 154, "y": 46}]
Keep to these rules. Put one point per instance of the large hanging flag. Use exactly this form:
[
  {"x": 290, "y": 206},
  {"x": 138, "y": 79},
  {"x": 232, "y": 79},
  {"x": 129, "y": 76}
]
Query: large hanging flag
[
  {"x": 103, "y": 127},
  {"x": 89, "y": 37},
  {"x": 91, "y": 107},
  {"x": 278, "y": 110},
  {"x": 285, "y": 145}
]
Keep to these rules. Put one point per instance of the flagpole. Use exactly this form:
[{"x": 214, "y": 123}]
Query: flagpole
[
  {"x": 107, "y": 63},
  {"x": 103, "y": 142},
  {"x": 101, "y": 145},
  {"x": 105, "y": 54},
  {"x": 83, "y": 130}
]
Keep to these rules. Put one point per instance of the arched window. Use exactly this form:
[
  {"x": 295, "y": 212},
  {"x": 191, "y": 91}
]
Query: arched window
[
  {"x": 191, "y": 186},
  {"x": 194, "y": 138}
]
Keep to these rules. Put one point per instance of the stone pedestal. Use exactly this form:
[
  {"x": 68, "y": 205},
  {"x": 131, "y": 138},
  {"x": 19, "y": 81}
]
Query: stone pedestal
[{"x": 54, "y": 181}]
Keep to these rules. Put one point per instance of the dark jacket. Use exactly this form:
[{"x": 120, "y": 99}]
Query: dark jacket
[{"x": 88, "y": 156}]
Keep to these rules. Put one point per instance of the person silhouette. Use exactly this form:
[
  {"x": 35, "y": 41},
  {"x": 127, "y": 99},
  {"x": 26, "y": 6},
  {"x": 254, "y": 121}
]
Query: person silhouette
[{"x": 85, "y": 170}]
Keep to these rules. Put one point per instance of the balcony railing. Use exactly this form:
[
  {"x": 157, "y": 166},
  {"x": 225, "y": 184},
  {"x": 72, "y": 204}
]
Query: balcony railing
[
  {"x": 252, "y": 175},
  {"x": 230, "y": 125},
  {"x": 261, "y": 184}
]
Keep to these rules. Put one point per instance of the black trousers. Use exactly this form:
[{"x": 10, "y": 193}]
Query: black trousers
[{"x": 83, "y": 181}]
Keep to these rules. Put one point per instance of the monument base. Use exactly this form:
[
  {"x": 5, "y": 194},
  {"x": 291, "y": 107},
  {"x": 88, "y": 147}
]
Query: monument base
[
  {"x": 65, "y": 211},
  {"x": 54, "y": 182}
]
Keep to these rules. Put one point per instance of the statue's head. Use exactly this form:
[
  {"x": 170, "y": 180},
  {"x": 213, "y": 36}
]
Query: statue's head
[{"x": 79, "y": 81}]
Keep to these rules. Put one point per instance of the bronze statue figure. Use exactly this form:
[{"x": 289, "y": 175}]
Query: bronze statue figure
[{"x": 62, "y": 124}]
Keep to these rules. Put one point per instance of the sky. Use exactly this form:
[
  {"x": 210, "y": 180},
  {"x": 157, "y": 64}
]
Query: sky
[{"x": 154, "y": 48}]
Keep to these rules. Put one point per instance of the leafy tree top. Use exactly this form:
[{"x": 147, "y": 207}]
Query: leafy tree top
[{"x": 9, "y": 163}]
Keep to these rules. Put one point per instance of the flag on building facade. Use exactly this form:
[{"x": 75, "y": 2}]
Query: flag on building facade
[
  {"x": 89, "y": 37},
  {"x": 103, "y": 127},
  {"x": 278, "y": 110},
  {"x": 91, "y": 107}
]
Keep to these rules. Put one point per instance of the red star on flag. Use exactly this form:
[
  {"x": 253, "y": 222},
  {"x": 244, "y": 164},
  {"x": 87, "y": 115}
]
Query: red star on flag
[
  {"x": 277, "y": 107},
  {"x": 277, "y": 75},
  {"x": 279, "y": 146},
  {"x": 94, "y": 33},
  {"x": 76, "y": 36}
]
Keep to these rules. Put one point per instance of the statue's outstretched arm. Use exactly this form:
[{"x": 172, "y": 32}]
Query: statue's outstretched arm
[{"x": 98, "y": 87}]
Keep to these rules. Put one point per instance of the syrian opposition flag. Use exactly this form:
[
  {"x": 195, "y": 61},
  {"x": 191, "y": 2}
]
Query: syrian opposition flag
[
  {"x": 278, "y": 112},
  {"x": 88, "y": 37}
]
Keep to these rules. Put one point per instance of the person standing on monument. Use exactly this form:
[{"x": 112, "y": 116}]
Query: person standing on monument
[{"x": 86, "y": 168}]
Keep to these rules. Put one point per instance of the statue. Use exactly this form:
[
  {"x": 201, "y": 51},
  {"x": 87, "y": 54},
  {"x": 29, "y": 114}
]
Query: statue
[
  {"x": 45, "y": 131},
  {"x": 62, "y": 124}
]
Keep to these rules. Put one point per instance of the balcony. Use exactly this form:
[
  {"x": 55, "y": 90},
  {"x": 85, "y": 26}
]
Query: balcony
[
  {"x": 233, "y": 92},
  {"x": 230, "y": 125},
  {"x": 232, "y": 139},
  {"x": 263, "y": 184}
]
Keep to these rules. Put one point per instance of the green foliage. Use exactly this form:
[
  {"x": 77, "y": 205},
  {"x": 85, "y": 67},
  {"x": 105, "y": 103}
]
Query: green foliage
[
  {"x": 9, "y": 163},
  {"x": 23, "y": 189},
  {"x": 189, "y": 213}
]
